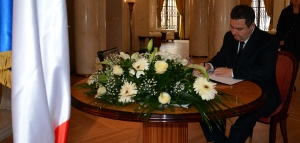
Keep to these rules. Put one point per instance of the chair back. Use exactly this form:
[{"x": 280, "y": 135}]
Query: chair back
[
  {"x": 103, "y": 54},
  {"x": 286, "y": 72}
]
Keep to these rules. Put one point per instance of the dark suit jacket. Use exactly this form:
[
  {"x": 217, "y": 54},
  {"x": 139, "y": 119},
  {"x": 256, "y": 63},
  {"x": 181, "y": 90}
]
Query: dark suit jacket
[{"x": 257, "y": 63}]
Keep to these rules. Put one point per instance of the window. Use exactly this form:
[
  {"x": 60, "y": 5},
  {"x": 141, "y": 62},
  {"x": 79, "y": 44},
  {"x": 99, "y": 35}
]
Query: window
[
  {"x": 170, "y": 16},
  {"x": 262, "y": 20}
]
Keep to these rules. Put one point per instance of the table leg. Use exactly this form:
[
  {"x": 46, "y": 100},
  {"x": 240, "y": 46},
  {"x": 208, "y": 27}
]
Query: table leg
[
  {"x": 165, "y": 132},
  {"x": 163, "y": 36}
]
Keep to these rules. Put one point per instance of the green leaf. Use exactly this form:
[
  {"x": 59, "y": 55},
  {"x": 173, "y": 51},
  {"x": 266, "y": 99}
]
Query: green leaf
[
  {"x": 200, "y": 68},
  {"x": 106, "y": 62},
  {"x": 150, "y": 45},
  {"x": 163, "y": 81},
  {"x": 102, "y": 78},
  {"x": 153, "y": 54}
]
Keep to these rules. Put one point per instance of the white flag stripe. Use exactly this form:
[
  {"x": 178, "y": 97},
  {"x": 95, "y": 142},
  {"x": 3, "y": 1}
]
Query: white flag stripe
[{"x": 41, "y": 75}]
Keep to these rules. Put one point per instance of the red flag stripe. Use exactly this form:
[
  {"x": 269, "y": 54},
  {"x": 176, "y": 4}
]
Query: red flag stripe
[{"x": 61, "y": 132}]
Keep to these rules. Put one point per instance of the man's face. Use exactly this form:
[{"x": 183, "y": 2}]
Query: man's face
[{"x": 239, "y": 29}]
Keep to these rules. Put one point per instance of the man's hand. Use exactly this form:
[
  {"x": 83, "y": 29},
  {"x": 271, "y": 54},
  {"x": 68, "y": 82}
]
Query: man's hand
[
  {"x": 206, "y": 65},
  {"x": 226, "y": 72}
]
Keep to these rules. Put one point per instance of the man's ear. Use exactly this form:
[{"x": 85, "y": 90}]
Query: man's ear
[{"x": 252, "y": 26}]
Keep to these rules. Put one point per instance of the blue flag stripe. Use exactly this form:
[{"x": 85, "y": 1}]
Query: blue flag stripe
[{"x": 6, "y": 25}]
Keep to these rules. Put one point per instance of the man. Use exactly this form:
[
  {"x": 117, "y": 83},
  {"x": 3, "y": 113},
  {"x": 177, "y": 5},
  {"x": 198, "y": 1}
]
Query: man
[{"x": 251, "y": 54}]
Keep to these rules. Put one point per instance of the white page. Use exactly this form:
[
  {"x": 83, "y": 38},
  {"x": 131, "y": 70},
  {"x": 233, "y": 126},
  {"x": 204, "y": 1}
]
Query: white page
[{"x": 225, "y": 80}]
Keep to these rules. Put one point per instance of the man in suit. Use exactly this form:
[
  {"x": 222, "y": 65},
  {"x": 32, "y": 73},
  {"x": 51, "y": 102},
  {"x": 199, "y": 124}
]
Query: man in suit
[{"x": 251, "y": 54}]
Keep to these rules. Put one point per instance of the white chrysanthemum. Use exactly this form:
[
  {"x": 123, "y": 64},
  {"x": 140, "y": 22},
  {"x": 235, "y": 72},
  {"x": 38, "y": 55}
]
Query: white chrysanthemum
[
  {"x": 91, "y": 80},
  {"x": 117, "y": 70},
  {"x": 205, "y": 88},
  {"x": 127, "y": 91},
  {"x": 131, "y": 71},
  {"x": 124, "y": 56},
  {"x": 161, "y": 67},
  {"x": 101, "y": 90},
  {"x": 164, "y": 98},
  {"x": 141, "y": 64},
  {"x": 135, "y": 55}
]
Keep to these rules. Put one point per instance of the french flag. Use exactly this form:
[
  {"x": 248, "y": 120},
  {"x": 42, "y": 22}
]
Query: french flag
[{"x": 40, "y": 71}]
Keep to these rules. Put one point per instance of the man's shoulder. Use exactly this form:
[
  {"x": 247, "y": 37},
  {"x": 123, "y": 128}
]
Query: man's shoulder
[
  {"x": 263, "y": 35},
  {"x": 228, "y": 35},
  {"x": 261, "y": 38}
]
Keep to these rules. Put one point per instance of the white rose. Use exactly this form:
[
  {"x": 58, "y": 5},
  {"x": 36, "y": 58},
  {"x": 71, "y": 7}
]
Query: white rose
[
  {"x": 161, "y": 67},
  {"x": 164, "y": 98},
  {"x": 101, "y": 90},
  {"x": 135, "y": 55},
  {"x": 117, "y": 70},
  {"x": 124, "y": 56}
]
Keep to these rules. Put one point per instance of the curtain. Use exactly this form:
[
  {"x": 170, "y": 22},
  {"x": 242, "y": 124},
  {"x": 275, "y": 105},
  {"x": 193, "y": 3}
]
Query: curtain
[
  {"x": 180, "y": 8},
  {"x": 246, "y": 2},
  {"x": 269, "y": 10},
  {"x": 159, "y": 9}
]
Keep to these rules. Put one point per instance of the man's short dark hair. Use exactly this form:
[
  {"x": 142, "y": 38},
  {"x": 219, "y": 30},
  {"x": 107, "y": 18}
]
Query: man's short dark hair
[{"x": 243, "y": 12}]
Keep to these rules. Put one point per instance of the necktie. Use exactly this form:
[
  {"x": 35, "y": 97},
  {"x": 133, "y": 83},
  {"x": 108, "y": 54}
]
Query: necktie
[{"x": 240, "y": 49}]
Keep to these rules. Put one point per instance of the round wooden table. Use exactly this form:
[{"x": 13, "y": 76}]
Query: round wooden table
[{"x": 172, "y": 126}]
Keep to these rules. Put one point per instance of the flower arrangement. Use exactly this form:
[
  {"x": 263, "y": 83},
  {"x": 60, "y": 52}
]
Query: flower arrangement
[{"x": 156, "y": 81}]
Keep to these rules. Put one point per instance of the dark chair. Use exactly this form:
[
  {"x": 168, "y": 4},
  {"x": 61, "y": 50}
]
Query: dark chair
[
  {"x": 286, "y": 71},
  {"x": 103, "y": 54},
  {"x": 156, "y": 42}
]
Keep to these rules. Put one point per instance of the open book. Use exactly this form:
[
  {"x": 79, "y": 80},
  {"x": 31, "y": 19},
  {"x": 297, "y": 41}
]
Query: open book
[{"x": 225, "y": 80}]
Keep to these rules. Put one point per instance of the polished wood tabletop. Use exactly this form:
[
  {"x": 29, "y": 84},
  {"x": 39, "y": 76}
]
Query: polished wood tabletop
[{"x": 244, "y": 97}]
